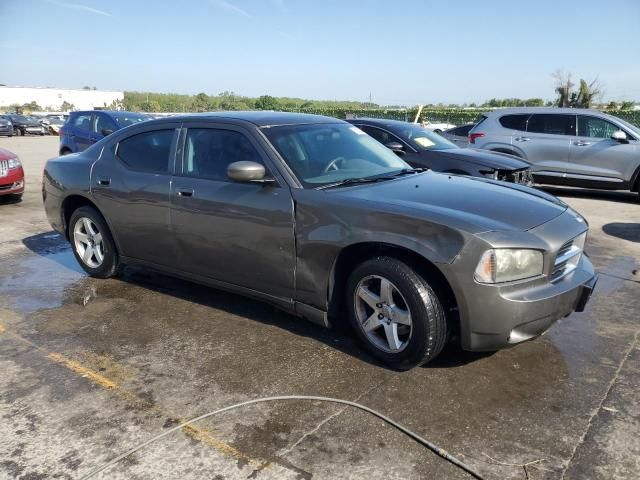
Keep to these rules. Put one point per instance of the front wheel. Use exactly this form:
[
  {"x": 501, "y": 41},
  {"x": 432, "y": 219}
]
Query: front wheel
[
  {"x": 396, "y": 313},
  {"x": 92, "y": 243}
]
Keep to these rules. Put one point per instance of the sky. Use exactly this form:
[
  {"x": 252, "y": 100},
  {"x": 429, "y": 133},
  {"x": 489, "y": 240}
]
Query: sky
[{"x": 399, "y": 52}]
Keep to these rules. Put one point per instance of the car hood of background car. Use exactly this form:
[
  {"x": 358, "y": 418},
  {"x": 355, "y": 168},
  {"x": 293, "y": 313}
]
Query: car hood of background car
[
  {"x": 6, "y": 154},
  {"x": 495, "y": 160},
  {"x": 484, "y": 204}
]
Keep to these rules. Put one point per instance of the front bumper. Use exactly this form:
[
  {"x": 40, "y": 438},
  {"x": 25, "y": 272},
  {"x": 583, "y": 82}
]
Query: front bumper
[
  {"x": 508, "y": 315},
  {"x": 496, "y": 316},
  {"x": 13, "y": 183}
]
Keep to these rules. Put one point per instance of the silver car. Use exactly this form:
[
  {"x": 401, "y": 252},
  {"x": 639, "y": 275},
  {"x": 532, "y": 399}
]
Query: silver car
[{"x": 566, "y": 146}]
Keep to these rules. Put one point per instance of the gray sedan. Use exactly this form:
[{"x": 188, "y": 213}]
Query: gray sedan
[{"x": 313, "y": 215}]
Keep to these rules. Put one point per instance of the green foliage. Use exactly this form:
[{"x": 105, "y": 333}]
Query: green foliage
[
  {"x": 227, "y": 100},
  {"x": 514, "y": 102},
  {"x": 267, "y": 102},
  {"x": 66, "y": 106}
]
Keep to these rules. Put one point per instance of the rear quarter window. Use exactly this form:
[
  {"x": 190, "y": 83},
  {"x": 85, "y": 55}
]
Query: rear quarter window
[
  {"x": 515, "y": 122},
  {"x": 147, "y": 152}
]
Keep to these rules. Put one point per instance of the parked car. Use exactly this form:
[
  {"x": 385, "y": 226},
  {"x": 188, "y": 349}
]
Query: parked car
[
  {"x": 6, "y": 127},
  {"x": 23, "y": 124},
  {"x": 437, "y": 127},
  {"x": 55, "y": 124},
  {"x": 316, "y": 217},
  {"x": 566, "y": 146},
  {"x": 421, "y": 148},
  {"x": 11, "y": 174},
  {"x": 85, "y": 128},
  {"x": 459, "y": 135}
]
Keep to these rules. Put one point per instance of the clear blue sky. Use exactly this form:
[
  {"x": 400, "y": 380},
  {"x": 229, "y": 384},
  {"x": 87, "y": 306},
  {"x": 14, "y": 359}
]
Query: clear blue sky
[{"x": 403, "y": 52}]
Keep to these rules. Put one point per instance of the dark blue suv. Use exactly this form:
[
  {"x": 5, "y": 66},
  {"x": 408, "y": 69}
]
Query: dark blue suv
[{"x": 83, "y": 129}]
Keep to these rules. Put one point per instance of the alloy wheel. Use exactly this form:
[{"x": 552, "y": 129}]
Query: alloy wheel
[
  {"x": 383, "y": 314},
  {"x": 88, "y": 242}
]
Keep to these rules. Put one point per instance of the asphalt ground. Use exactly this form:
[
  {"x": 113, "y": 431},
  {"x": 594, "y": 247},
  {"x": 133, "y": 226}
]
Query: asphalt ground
[{"x": 90, "y": 368}]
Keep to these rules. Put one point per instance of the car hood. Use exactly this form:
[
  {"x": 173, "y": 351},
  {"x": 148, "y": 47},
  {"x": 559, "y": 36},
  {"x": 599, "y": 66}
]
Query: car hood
[
  {"x": 6, "y": 154},
  {"x": 494, "y": 160},
  {"x": 479, "y": 204}
]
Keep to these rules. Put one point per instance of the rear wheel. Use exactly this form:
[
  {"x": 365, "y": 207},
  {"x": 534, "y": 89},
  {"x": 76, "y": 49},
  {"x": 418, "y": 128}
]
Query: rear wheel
[
  {"x": 395, "y": 313},
  {"x": 92, "y": 243}
]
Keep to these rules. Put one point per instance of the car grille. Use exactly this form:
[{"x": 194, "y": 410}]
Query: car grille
[
  {"x": 522, "y": 177},
  {"x": 4, "y": 168},
  {"x": 567, "y": 257}
]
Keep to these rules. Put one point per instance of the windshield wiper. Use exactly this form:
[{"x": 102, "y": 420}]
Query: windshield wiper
[
  {"x": 409, "y": 171},
  {"x": 353, "y": 181}
]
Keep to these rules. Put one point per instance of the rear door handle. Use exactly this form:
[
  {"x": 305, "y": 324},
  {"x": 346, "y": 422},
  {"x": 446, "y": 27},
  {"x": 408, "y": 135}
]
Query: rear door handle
[
  {"x": 104, "y": 181},
  {"x": 185, "y": 192},
  {"x": 581, "y": 144},
  {"x": 522, "y": 139}
]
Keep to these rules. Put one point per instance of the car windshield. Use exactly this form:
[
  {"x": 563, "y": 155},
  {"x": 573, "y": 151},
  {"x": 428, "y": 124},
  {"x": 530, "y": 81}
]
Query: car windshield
[
  {"x": 20, "y": 118},
  {"x": 323, "y": 154},
  {"x": 125, "y": 120},
  {"x": 635, "y": 130},
  {"x": 425, "y": 139}
]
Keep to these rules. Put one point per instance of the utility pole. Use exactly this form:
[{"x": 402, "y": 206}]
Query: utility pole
[{"x": 370, "y": 102}]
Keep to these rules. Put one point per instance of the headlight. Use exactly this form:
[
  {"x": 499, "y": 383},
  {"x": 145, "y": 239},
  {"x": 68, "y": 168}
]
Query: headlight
[
  {"x": 14, "y": 163},
  {"x": 508, "y": 264}
]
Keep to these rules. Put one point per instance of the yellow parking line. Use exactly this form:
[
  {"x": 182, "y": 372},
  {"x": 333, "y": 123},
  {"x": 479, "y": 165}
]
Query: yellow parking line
[
  {"x": 197, "y": 433},
  {"x": 83, "y": 371}
]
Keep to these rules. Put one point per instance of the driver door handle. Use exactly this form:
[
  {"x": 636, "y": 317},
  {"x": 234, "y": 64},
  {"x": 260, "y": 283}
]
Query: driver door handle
[
  {"x": 581, "y": 144},
  {"x": 522, "y": 139},
  {"x": 104, "y": 181},
  {"x": 185, "y": 192}
]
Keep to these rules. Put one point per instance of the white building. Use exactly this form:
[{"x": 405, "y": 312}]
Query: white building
[{"x": 52, "y": 98}]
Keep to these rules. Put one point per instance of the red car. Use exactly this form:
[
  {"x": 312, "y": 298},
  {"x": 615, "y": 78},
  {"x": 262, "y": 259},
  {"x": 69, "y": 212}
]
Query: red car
[{"x": 11, "y": 174}]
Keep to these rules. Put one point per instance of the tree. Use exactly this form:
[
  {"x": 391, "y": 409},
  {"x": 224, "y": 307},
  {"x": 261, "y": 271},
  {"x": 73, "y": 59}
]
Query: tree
[
  {"x": 66, "y": 106},
  {"x": 86, "y": 87},
  {"x": 626, "y": 105},
  {"x": 266, "y": 102},
  {"x": 201, "y": 102},
  {"x": 568, "y": 97}
]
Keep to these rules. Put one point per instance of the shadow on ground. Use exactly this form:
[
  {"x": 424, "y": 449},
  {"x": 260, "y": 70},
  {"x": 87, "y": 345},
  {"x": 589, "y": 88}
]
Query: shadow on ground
[
  {"x": 609, "y": 195},
  {"x": 54, "y": 247},
  {"x": 625, "y": 231}
]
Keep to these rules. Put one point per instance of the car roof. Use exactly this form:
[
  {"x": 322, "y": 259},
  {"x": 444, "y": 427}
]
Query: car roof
[
  {"x": 260, "y": 118},
  {"x": 531, "y": 110},
  {"x": 111, "y": 113}
]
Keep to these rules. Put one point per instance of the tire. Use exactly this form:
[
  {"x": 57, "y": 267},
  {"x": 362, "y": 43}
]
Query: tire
[
  {"x": 412, "y": 306},
  {"x": 20, "y": 133},
  {"x": 102, "y": 261}
]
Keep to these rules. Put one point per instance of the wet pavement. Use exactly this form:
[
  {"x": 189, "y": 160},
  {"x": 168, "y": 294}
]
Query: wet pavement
[{"x": 90, "y": 368}]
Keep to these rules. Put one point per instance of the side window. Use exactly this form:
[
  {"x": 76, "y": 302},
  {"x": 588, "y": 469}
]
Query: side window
[
  {"x": 552, "y": 123},
  {"x": 515, "y": 122},
  {"x": 147, "y": 152},
  {"x": 103, "y": 123},
  {"x": 208, "y": 152},
  {"x": 380, "y": 135},
  {"x": 595, "y": 127},
  {"x": 83, "y": 122}
]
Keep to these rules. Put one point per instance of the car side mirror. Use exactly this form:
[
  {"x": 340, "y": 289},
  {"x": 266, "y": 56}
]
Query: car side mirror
[
  {"x": 396, "y": 147},
  {"x": 620, "y": 136},
  {"x": 248, "y": 172},
  {"x": 107, "y": 131}
]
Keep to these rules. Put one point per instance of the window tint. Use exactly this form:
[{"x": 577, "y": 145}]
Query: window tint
[
  {"x": 208, "y": 152},
  {"x": 595, "y": 127},
  {"x": 554, "y": 124},
  {"x": 380, "y": 135},
  {"x": 83, "y": 121},
  {"x": 515, "y": 122},
  {"x": 147, "y": 152},
  {"x": 102, "y": 122},
  {"x": 462, "y": 131}
]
